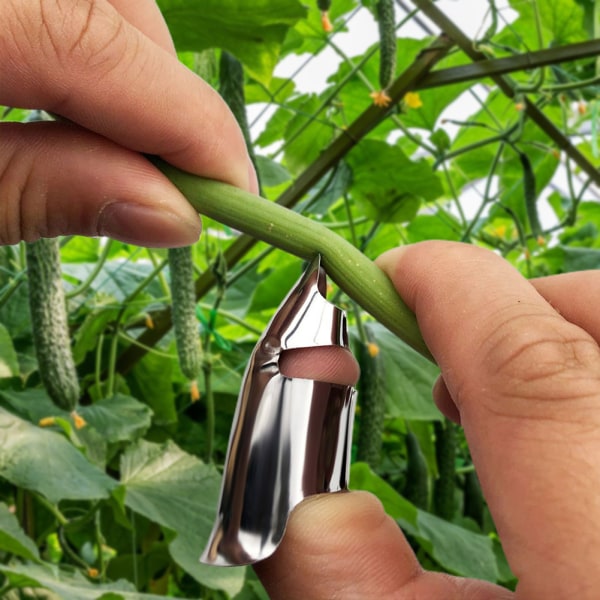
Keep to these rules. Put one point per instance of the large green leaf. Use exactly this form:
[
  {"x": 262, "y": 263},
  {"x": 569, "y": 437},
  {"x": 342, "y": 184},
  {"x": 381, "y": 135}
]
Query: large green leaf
[
  {"x": 253, "y": 31},
  {"x": 305, "y": 136},
  {"x": 563, "y": 259},
  {"x": 178, "y": 491},
  {"x": 44, "y": 461},
  {"x": 456, "y": 549},
  {"x": 9, "y": 365},
  {"x": 308, "y": 34},
  {"x": 13, "y": 539},
  {"x": 118, "y": 418},
  {"x": 388, "y": 183},
  {"x": 151, "y": 380},
  {"x": 561, "y": 21},
  {"x": 69, "y": 586},
  {"x": 363, "y": 478},
  {"x": 408, "y": 377}
]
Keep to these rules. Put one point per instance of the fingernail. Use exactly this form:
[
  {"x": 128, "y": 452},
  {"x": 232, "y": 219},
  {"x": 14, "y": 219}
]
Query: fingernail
[
  {"x": 389, "y": 260},
  {"x": 253, "y": 186},
  {"x": 147, "y": 226}
]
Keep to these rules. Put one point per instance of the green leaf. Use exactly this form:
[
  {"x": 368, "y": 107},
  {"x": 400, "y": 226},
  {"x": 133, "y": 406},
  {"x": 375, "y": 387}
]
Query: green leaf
[
  {"x": 271, "y": 172},
  {"x": 456, "y": 549},
  {"x": 564, "y": 259},
  {"x": 178, "y": 491},
  {"x": 70, "y": 586},
  {"x": 362, "y": 478},
  {"x": 9, "y": 365},
  {"x": 31, "y": 404},
  {"x": 562, "y": 23},
  {"x": 80, "y": 249},
  {"x": 275, "y": 285},
  {"x": 305, "y": 136},
  {"x": 13, "y": 539},
  {"x": 321, "y": 197},
  {"x": 308, "y": 35},
  {"x": 252, "y": 31},
  {"x": 440, "y": 226},
  {"x": 151, "y": 381},
  {"x": 389, "y": 184},
  {"x": 409, "y": 377},
  {"x": 118, "y": 418},
  {"x": 45, "y": 462}
]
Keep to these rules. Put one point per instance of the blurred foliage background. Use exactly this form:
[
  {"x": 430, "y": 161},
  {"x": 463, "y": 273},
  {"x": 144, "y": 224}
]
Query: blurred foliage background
[{"x": 493, "y": 141}]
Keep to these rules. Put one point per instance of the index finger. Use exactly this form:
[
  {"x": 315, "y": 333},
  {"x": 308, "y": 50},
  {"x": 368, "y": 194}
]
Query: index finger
[
  {"x": 526, "y": 383},
  {"x": 86, "y": 62}
]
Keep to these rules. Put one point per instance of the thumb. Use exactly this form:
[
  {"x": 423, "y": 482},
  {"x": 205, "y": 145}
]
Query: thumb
[{"x": 344, "y": 545}]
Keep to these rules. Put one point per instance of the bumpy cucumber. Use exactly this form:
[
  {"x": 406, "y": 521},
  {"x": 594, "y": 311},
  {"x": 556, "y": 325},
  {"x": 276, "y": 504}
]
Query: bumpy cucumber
[
  {"x": 445, "y": 452},
  {"x": 473, "y": 498},
  {"x": 49, "y": 322},
  {"x": 416, "y": 488},
  {"x": 183, "y": 299},
  {"x": 372, "y": 404},
  {"x": 529, "y": 192},
  {"x": 387, "y": 42},
  {"x": 231, "y": 88}
]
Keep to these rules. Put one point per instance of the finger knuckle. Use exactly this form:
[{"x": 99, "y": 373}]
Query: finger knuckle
[
  {"x": 541, "y": 359},
  {"x": 85, "y": 35}
]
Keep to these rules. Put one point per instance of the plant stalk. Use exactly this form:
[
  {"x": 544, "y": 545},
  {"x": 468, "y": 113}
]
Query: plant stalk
[{"x": 353, "y": 272}]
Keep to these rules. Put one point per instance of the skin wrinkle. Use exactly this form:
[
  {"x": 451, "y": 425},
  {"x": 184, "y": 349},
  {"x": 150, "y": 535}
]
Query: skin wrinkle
[{"x": 556, "y": 351}]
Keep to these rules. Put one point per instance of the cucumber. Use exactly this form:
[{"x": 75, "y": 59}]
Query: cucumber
[
  {"x": 444, "y": 504},
  {"x": 372, "y": 404},
  {"x": 416, "y": 488},
  {"x": 231, "y": 88},
  {"x": 384, "y": 12},
  {"x": 185, "y": 324},
  {"x": 49, "y": 323},
  {"x": 473, "y": 498},
  {"x": 529, "y": 192}
]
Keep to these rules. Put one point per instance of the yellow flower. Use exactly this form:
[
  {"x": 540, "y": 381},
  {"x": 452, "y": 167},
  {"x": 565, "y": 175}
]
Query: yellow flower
[
  {"x": 519, "y": 106},
  {"x": 372, "y": 349},
  {"x": 149, "y": 321},
  {"x": 194, "y": 391},
  {"x": 92, "y": 572},
  {"x": 413, "y": 100},
  {"x": 46, "y": 422},
  {"x": 380, "y": 98},
  {"x": 325, "y": 22},
  {"x": 500, "y": 230},
  {"x": 78, "y": 420}
]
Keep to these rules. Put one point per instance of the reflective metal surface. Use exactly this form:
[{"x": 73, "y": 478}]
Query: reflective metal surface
[{"x": 291, "y": 437}]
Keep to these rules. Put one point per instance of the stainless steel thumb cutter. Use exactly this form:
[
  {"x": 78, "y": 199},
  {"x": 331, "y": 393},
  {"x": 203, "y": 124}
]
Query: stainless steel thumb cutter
[{"x": 291, "y": 437}]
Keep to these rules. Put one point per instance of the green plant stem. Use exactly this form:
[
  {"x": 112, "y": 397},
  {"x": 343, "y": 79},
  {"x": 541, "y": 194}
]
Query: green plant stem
[
  {"x": 99, "y": 544},
  {"x": 84, "y": 285},
  {"x": 353, "y": 272},
  {"x": 110, "y": 383},
  {"x": 209, "y": 399},
  {"x": 233, "y": 318},
  {"x": 164, "y": 284},
  {"x": 11, "y": 287},
  {"x": 98, "y": 363}
]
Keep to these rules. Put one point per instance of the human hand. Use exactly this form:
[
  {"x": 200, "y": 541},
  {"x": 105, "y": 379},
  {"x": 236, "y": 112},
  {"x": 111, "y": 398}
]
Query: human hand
[
  {"x": 520, "y": 370},
  {"x": 110, "y": 68}
]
